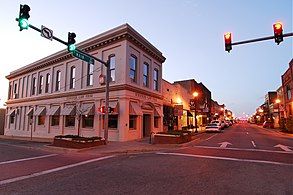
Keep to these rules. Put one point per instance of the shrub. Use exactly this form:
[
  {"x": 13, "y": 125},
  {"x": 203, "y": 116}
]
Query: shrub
[
  {"x": 282, "y": 124},
  {"x": 289, "y": 124}
]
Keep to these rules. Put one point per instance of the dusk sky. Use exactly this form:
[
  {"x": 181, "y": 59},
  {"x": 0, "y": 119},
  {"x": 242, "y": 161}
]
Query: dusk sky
[{"x": 189, "y": 33}]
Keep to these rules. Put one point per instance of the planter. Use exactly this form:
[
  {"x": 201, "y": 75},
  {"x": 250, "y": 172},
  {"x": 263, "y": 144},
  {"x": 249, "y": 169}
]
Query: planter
[
  {"x": 171, "y": 139},
  {"x": 77, "y": 143}
]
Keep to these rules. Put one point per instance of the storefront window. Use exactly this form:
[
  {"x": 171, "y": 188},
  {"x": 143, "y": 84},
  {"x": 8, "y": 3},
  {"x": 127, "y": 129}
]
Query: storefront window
[
  {"x": 88, "y": 121},
  {"x": 156, "y": 121},
  {"x": 55, "y": 120},
  {"x": 113, "y": 121},
  {"x": 69, "y": 121},
  {"x": 41, "y": 120},
  {"x": 132, "y": 121},
  {"x": 12, "y": 119}
]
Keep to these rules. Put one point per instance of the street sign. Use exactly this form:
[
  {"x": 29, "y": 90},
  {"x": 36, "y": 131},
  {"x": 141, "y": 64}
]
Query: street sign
[
  {"x": 192, "y": 104},
  {"x": 83, "y": 57},
  {"x": 47, "y": 33}
]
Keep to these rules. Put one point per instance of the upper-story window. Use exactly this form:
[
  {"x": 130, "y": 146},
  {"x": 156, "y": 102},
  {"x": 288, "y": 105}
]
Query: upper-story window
[
  {"x": 90, "y": 74},
  {"x": 9, "y": 91},
  {"x": 15, "y": 88},
  {"x": 133, "y": 66},
  {"x": 48, "y": 77},
  {"x": 58, "y": 81},
  {"x": 41, "y": 83},
  {"x": 72, "y": 77},
  {"x": 288, "y": 91},
  {"x": 146, "y": 74},
  {"x": 34, "y": 86},
  {"x": 112, "y": 66},
  {"x": 156, "y": 79}
]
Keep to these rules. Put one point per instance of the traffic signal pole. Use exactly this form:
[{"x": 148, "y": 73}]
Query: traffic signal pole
[
  {"x": 260, "y": 39},
  {"x": 107, "y": 65}
]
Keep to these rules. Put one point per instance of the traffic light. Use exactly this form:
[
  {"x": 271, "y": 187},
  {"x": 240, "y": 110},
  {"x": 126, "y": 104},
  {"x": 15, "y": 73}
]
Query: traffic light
[
  {"x": 278, "y": 32},
  {"x": 228, "y": 41},
  {"x": 71, "y": 41},
  {"x": 23, "y": 17}
]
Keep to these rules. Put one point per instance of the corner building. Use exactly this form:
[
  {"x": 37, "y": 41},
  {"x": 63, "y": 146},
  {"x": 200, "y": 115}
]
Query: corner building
[{"x": 61, "y": 95}]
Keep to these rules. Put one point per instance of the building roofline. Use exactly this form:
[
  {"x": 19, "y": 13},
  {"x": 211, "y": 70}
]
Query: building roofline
[{"x": 124, "y": 31}]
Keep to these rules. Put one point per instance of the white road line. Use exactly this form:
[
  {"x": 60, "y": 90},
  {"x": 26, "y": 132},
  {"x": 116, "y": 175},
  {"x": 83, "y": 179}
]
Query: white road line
[
  {"x": 211, "y": 137},
  {"x": 244, "y": 149},
  {"x": 7, "y": 181},
  {"x": 253, "y": 144},
  {"x": 226, "y": 158},
  {"x": 26, "y": 159}
]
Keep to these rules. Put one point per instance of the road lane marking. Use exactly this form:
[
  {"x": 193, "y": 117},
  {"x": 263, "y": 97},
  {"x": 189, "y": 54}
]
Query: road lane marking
[
  {"x": 7, "y": 181},
  {"x": 226, "y": 158},
  {"x": 224, "y": 144},
  {"x": 26, "y": 159},
  {"x": 243, "y": 149},
  {"x": 211, "y": 137},
  {"x": 283, "y": 147},
  {"x": 253, "y": 144}
]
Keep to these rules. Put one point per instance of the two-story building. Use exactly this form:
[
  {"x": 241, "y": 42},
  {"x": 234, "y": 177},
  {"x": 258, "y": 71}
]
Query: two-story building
[{"x": 60, "y": 94}]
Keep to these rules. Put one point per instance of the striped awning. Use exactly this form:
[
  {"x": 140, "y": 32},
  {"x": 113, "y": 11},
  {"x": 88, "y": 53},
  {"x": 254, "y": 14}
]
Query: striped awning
[
  {"x": 68, "y": 110},
  {"x": 135, "y": 109},
  {"x": 87, "y": 109},
  {"x": 11, "y": 112},
  {"x": 54, "y": 111},
  {"x": 158, "y": 112},
  {"x": 41, "y": 111}
]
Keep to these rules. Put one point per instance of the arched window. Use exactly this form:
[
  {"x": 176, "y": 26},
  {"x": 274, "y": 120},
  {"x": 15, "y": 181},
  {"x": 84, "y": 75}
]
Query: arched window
[
  {"x": 72, "y": 77},
  {"x": 90, "y": 72},
  {"x": 288, "y": 91},
  {"x": 48, "y": 77},
  {"x": 156, "y": 79},
  {"x": 146, "y": 74},
  {"x": 133, "y": 66},
  {"x": 112, "y": 66},
  {"x": 41, "y": 83},
  {"x": 58, "y": 81}
]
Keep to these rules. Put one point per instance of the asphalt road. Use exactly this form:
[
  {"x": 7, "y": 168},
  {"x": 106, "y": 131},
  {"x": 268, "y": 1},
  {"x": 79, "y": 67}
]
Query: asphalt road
[{"x": 223, "y": 163}]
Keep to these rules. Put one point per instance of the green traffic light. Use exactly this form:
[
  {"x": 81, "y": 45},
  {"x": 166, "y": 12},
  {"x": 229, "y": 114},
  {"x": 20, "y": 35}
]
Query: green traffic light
[
  {"x": 23, "y": 23},
  {"x": 71, "y": 47}
]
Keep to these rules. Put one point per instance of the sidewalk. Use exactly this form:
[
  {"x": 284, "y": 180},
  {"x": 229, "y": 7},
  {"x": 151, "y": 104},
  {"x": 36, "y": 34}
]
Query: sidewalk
[
  {"x": 113, "y": 147},
  {"x": 34, "y": 139},
  {"x": 276, "y": 130}
]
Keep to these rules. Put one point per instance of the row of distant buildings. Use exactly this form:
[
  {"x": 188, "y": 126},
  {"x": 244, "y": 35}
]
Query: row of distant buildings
[
  {"x": 278, "y": 104},
  {"x": 60, "y": 94}
]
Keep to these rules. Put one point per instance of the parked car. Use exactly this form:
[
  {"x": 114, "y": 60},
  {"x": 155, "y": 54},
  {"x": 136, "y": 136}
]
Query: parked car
[
  {"x": 268, "y": 124},
  {"x": 213, "y": 127},
  {"x": 221, "y": 123}
]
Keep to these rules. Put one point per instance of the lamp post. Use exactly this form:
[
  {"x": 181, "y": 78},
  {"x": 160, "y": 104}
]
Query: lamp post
[{"x": 195, "y": 95}]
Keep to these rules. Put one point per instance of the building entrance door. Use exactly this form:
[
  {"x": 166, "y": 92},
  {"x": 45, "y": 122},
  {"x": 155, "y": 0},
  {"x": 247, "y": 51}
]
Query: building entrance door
[{"x": 146, "y": 125}]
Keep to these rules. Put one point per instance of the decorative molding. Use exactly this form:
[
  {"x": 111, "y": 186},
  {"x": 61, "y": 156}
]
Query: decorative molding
[
  {"x": 124, "y": 32},
  {"x": 69, "y": 94}
]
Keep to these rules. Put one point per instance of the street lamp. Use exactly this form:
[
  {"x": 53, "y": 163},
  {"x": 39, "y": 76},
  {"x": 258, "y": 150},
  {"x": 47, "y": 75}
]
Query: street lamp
[
  {"x": 195, "y": 95},
  {"x": 278, "y": 101}
]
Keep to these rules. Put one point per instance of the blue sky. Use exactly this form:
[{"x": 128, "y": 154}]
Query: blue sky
[{"x": 189, "y": 33}]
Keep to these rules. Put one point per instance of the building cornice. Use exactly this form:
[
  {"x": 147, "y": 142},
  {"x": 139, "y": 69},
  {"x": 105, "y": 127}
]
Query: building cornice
[
  {"x": 120, "y": 33},
  {"x": 84, "y": 92}
]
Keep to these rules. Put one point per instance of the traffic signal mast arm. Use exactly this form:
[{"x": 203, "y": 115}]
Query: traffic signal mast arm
[
  {"x": 65, "y": 43},
  {"x": 260, "y": 39}
]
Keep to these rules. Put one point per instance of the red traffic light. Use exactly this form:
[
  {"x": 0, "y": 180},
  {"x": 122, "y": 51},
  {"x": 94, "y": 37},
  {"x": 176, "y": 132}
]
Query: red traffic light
[
  {"x": 228, "y": 41},
  {"x": 278, "y": 32}
]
